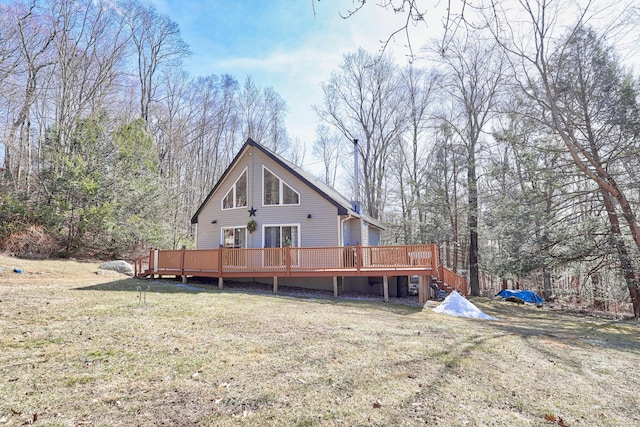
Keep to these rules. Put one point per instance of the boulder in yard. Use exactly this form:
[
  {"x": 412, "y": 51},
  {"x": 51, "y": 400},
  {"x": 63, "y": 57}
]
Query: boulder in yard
[{"x": 120, "y": 266}]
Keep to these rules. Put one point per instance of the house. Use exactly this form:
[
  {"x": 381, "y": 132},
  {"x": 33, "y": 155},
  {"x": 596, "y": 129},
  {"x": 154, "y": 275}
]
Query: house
[
  {"x": 264, "y": 201},
  {"x": 288, "y": 205},
  {"x": 268, "y": 221}
]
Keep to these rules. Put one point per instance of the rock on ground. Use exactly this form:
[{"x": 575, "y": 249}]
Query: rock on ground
[{"x": 120, "y": 266}]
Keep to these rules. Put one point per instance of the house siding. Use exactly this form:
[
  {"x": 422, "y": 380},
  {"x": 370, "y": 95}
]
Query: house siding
[
  {"x": 355, "y": 235},
  {"x": 318, "y": 231},
  {"x": 346, "y": 232},
  {"x": 208, "y": 235},
  {"x": 374, "y": 236},
  {"x": 365, "y": 233}
]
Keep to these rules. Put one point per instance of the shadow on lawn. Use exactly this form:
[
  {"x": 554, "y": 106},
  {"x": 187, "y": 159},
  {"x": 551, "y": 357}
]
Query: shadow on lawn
[
  {"x": 132, "y": 284},
  {"x": 314, "y": 297},
  {"x": 563, "y": 329}
]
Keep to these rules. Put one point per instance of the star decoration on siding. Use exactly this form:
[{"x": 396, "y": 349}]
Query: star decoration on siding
[{"x": 252, "y": 211}]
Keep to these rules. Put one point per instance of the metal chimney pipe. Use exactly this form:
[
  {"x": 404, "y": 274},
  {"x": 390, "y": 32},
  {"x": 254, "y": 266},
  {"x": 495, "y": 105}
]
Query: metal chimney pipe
[{"x": 356, "y": 170}]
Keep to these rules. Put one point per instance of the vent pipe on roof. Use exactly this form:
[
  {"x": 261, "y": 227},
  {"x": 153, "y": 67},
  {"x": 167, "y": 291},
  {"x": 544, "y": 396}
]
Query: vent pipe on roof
[{"x": 356, "y": 203}]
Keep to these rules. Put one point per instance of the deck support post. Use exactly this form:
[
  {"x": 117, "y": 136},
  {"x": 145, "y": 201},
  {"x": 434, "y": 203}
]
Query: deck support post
[
  {"x": 385, "y": 287},
  {"x": 336, "y": 293},
  {"x": 275, "y": 284},
  {"x": 184, "y": 250},
  {"x": 421, "y": 290},
  {"x": 220, "y": 282}
]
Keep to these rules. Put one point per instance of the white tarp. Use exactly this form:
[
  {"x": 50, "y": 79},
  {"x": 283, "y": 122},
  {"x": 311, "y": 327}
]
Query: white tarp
[{"x": 456, "y": 305}]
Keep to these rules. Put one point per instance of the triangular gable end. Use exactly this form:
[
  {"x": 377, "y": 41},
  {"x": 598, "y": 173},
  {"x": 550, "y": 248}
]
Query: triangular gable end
[{"x": 251, "y": 143}]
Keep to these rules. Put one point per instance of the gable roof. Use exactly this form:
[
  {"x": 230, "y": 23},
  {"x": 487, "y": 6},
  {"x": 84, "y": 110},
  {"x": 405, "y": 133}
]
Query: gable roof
[{"x": 331, "y": 195}]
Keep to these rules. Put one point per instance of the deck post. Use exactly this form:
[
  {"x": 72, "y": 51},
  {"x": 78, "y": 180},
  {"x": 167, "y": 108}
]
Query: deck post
[
  {"x": 184, "y": 249},
  {"x": 151, "y": 259},
  {"x": 287, "y": 259},
  {"x": 153, "y": 263},
  {"x": 335, "y": 287},
  {"x": 220, "y": 282},
  {"x": 220, "y": 259},
  {"x": 358, "y": 258},
  {"x": 421, "y": 296},
  {"x": 275, "y": 284},
  {"x": 385, "y": 286}
]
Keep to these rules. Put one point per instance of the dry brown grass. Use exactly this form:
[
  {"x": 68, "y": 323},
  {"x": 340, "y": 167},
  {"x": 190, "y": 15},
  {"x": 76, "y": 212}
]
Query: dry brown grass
[{"x": 78, "y": 349}]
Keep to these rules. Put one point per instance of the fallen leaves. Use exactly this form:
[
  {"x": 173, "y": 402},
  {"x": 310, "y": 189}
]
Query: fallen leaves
[{"x": 550, "y": 418}]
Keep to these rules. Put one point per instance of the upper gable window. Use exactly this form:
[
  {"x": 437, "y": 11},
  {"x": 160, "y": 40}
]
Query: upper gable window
[
  {"x": 237, "y": 195},
  {"x": 276, "y": 191}
]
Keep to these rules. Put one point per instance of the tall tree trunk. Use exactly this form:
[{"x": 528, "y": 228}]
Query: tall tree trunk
[
  {"x": 546, "y": 285},
  {"x": 472, "y": 182},
  {"x": 626, "y": 264},
  {"x": 599, "y": 302}
]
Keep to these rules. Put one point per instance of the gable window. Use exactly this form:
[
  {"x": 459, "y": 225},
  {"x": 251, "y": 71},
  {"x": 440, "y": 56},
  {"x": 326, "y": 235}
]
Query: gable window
[
  {"x": 234, "y": 237},
  {"x": 276, "y": 191},
  {"x": 237, "y": 195}
]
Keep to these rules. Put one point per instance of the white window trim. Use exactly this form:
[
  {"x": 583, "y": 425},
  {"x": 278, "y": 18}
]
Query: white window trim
[
  {"x": 233, "y": 189},
  {"x": 222, "y": 229},
  {"x": 282, "y": 225},
  {"x": 280, "y": 189}
]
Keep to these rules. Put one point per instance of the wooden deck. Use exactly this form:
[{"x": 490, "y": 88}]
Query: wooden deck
[{"x": 371, "y": 261}]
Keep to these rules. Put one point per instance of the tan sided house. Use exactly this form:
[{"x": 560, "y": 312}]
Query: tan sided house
[
  {"x": 268, "y": 221},
  {"x": 287, "y": 206}
]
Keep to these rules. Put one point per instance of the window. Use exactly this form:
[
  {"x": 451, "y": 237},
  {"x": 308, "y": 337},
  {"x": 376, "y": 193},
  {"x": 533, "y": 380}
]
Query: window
[
  {"x": 271, "y": 188},
  {"x": 276, "y": 191},
  {"x": 276, "y": 238},
  {"x": 234, "y": 237},
  {"x": 237, "y": 196},
  {"x": 280, "y": 236}
]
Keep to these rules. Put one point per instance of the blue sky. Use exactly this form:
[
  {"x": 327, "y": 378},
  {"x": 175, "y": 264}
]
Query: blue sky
[{"x": 281, "y": 43}]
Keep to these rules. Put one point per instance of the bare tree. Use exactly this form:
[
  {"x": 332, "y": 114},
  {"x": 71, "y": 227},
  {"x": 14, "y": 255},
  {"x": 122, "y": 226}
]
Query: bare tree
[
  {"x": 363, "y": 101},
  {"x": 158, "y": 44},
  {"x": 34, "y": 40},
  {"x": 328, "y": 147},
  {"x": 9, "y": 61},
  {"x": 419, "y": 91},
  {"x": 90, "y": 48},
  {"x": 8, "y": 47},
  {"x": 445, "y": 190},
  {"x": 262, "y": 116},
  {"x": 414, "y": 13},
  {"x": 474, "y": 79}
]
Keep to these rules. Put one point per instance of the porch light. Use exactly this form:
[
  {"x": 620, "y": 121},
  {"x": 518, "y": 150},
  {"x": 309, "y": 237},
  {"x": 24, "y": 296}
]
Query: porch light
[
  {"x": 309, "y": 216},
  {"x": 215, "y": 221}
]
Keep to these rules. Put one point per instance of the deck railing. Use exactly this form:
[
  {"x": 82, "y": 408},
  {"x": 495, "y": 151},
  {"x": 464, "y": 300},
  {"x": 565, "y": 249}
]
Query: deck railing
[
  {"x": 423, "y": 260},
  {"x": 454, "y": 280}
]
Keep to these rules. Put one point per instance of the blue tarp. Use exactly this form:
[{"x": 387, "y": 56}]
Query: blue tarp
[{"x": 526, "y": 296}]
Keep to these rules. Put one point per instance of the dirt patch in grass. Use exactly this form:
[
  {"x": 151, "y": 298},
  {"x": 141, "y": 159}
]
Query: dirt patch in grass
[{"x": 82, "y": 349}]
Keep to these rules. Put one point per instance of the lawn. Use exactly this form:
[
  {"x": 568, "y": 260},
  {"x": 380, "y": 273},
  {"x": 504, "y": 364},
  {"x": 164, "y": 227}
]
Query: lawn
[{"x": 77, "y": 348}]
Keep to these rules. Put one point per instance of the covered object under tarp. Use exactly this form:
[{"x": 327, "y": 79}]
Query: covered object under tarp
[{"x": 526, "y": 296}]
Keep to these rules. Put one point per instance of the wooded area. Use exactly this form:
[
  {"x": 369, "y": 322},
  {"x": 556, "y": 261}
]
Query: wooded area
[{"x": 515, "y": 148}]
